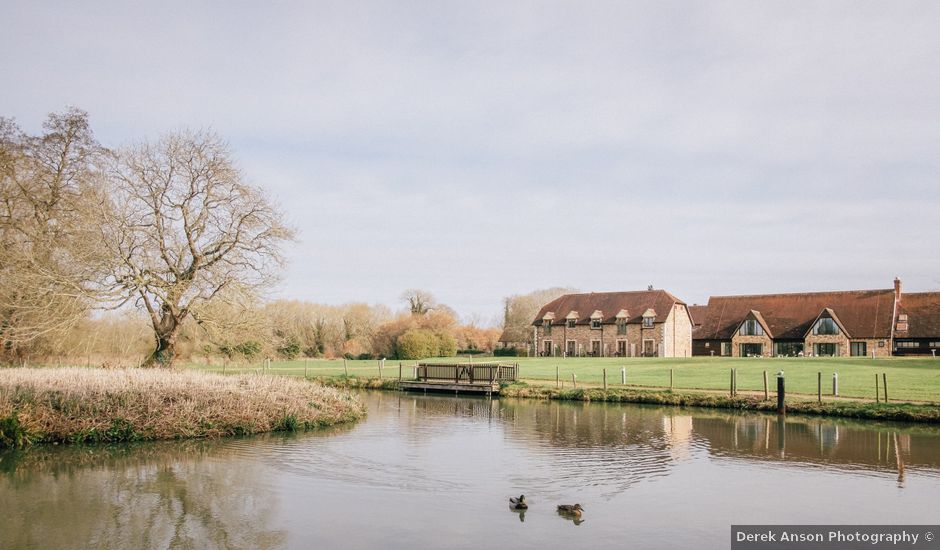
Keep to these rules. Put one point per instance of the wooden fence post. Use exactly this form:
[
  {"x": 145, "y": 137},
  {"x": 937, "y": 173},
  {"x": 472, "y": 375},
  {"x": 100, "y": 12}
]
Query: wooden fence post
[
  {"x": 835, "y": 384},
  {"x": 345, "y": 370},
  {"x": 877, "y": 390},
  {"x": 557, "y": 377},
  {"x": 884, "y": 383},
  {"x": 781, "y": 394},
  {"x": 672, "y": 379},
  {"x": 605, "y": 379},
  {"x": 399, "y": 371},
  {"x": 819, "y": 387},
  {"x": 731, "y": 391},
  {"x": 766, "y": 393},
  {"x": 574, "y": 380},
  {"x": 623, "y": 376}
]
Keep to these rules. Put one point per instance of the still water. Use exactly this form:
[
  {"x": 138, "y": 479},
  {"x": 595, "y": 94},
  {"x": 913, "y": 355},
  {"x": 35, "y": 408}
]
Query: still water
[{"x": 436, "y": 472}]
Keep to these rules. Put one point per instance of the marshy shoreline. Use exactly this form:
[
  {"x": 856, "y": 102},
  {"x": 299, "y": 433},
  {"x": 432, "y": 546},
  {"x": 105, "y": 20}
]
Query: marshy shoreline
[
  {"x": 81, "y": 405},
  {"x": 902, "y": 412}
]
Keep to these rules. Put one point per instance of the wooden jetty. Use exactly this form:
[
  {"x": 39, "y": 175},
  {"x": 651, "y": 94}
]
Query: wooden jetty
[{"x": 481, "y": 378}]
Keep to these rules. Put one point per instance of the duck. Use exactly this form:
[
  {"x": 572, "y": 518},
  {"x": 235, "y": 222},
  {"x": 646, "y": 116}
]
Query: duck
[
  {"x": 570, "y": 510},
  {"x": 519, "y": 503}
]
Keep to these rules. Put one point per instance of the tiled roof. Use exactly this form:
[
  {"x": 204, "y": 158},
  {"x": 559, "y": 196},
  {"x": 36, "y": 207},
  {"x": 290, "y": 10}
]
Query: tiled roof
[
  {"x": 923, "y": 314},
  {"x": 864, "y": 313},
  {"x": 610, "y": 304},
  {"x": 698, "y": 314}
]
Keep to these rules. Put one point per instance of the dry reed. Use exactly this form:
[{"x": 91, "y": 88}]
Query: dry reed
[{"x": 93, "y": 405}]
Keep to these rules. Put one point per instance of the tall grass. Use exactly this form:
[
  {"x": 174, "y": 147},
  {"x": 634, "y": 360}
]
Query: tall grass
[{"x": 77, "y": 405}]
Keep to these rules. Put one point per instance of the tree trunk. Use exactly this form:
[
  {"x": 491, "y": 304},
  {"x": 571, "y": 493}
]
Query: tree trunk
[{"x": 164, "y": 355}]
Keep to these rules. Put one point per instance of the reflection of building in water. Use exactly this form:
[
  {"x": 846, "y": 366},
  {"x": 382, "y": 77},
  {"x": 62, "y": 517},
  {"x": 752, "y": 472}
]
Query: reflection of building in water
[
  {"x": 678, "y": 430},
  {"x": 819, "y": 441}
]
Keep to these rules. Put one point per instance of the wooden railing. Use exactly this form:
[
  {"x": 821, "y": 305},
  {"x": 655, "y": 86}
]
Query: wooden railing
[{"x": 468, "y": 373}]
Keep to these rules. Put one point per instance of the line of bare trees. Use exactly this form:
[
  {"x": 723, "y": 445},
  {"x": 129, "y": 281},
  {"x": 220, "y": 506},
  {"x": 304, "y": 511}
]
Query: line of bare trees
[
  {"x": 162, "y": 249},
  {"x": 170, "y": 226}
]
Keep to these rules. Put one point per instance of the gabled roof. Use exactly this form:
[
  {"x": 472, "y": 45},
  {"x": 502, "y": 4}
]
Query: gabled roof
[
  {"x": 827, "y": 312},
  {"x": 753, "y": 314},
  {"x": 863, "y": 313},
  {"x": 610, "y": 304},
  {"x": 923, "y": 314},
  {"x": 697, "y": 312}
]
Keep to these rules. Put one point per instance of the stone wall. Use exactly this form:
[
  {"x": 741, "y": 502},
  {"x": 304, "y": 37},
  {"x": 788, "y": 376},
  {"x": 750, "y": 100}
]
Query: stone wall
[
  {"x": 840, "y": 339},
  {"x": 677, "y": 335},
  {"x": 738, "y": 339}
]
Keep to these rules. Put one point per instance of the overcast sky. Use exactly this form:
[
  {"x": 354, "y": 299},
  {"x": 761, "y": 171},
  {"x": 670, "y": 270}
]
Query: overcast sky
[{"x": 480, "y": 149}]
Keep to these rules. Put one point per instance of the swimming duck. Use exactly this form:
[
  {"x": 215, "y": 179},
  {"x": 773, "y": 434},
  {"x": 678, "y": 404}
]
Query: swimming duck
[
  {"x": 570, "y": 510},
  {"x": 519, "y": 503}
]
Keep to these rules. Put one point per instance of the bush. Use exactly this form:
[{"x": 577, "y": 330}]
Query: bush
[
  {"x": 364, "y": 356},
  {"x": 446, "y": 345},
  {"x": 249, "y": 349},
  {"x": 290, "y": 349},
  {"x": 416, "y": 344},
  {"x": 511, "y": 352},
  {"x": 470, "y": 351}
]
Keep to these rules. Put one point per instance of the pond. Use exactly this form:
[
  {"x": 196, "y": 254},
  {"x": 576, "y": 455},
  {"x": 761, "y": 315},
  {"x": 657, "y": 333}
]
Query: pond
[{"x": 424, "y": 471}]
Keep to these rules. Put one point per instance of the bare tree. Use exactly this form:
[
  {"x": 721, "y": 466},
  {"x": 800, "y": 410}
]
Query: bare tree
[
  {"x": 51, "y": 201},
  {"x": 419, "y": 301},
  {"x": 186, "y": 229}
]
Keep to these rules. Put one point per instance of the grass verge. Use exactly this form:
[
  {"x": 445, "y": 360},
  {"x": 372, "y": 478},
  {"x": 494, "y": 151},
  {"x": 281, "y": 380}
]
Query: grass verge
[
  {"x": 77, "y": 405},
  {"x": 906, "y": 412}
]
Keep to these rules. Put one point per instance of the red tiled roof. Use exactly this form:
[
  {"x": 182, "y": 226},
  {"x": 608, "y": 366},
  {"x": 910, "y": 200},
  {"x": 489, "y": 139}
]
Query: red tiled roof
[
  {"x": 864, "y": 313},
  {"x": 923, "y": 314},
  {"x": 610, "y": 303},
  {"x": 698, "y": 314}
]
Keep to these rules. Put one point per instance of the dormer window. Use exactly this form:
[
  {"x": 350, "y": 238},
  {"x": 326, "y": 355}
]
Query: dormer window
[
  {"x": 595, "y": 323},
  {"x": 621, "y": 326},
  {"x": 572, "y": 323},
  {"x": 826, "y": 326},
  {"x": 750, "y": 327},
  {"x": 547, "y": 327},
  {"x": 648, "y": 322}
]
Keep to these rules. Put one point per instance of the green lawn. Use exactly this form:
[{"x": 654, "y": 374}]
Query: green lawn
[{"x": 916, "y": 379}]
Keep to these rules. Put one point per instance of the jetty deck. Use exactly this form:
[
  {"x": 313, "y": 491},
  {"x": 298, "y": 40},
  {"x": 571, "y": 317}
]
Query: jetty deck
[{"x": 480, "y": 378}]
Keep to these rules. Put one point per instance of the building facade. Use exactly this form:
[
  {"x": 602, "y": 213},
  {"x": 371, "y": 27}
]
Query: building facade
[
  {"x": 917, "y": 325},
  {"x": 822, "y": 324},
  {"x": 651, "y": 323}
]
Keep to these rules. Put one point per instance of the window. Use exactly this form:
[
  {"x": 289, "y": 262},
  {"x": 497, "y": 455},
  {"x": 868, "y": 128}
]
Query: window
[
  {"x": 547, "y": 328},
  {"x": 902, "y": 317},
  {"x": 826, "y": 326},
  {"x": 571, "y": 348},
  {"x": 788, "y": 349},
  {"x": 648, "y": 322},
  {"x": 908, "y": 345},
  {"x": 752, "y": 350},
  {"x": 826, "y": 350},
  {"x": 751, "y": 327},
  {"x": 549, "y": 349},
  {"x": 596, "y": 348},
  {"x": 621, "y": 348},
  {"x": 621, "y": 326},
  {"x": 726, "y": 349},
  {"x": 572, "y": 322},
  {"x": 595, "y": 323},
  {"x": 935, "y": 345},
  {"x": 858, "y": 349}
]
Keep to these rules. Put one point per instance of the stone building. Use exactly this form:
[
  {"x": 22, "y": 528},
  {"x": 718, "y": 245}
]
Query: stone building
[
  {"x": 917, "y": 326},
  {"x": 650, "y": 323},
  {"x": 845, "y": 323}
]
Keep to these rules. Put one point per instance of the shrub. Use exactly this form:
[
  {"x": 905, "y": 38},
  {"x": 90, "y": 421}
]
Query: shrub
[
  {"x": 446, "y": 345},
  {"x": 416, "y": 344},
  {"x": 510, "y": 352},
  {"x": 249, "y": 350},
  {"x": 290, "y": 349}
]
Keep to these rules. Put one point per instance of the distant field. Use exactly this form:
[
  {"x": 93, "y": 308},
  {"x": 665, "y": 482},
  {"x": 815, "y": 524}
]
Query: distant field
[{"x": 916, "y": 379}]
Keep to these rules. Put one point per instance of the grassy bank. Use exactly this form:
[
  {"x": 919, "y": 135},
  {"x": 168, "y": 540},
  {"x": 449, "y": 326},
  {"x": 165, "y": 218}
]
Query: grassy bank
[
  {"x": 907, "y": 412},
  {"x": 77, "y": 405},
  {"x": 909, "y": 379}
]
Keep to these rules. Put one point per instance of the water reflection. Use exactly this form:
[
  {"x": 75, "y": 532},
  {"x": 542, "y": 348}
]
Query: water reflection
[
  {"x": 453, "y": 463},
  {"x": 150, "y": 495}
]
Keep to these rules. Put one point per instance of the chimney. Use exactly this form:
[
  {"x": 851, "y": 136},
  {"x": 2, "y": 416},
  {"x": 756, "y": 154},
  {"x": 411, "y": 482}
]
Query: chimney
[{"x": 897, "y": 289}]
